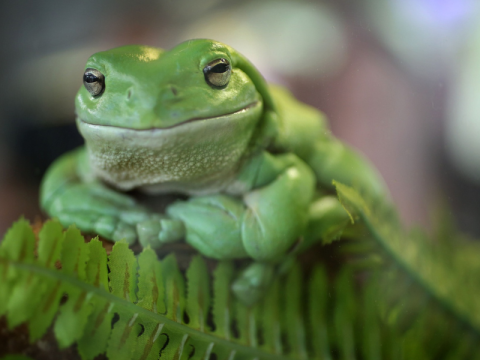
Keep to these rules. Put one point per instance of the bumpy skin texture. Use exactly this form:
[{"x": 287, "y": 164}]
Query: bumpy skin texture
[{"x": 253, "y": 159}]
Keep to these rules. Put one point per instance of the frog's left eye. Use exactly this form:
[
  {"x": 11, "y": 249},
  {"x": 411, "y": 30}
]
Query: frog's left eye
[
  {"x": 94, "y": 81},
  {"x": 217, "y": 72}
]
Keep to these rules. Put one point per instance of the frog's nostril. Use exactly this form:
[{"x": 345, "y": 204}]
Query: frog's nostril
[
  {"x": 174, "y": 90},
  {"x": 129, "y": 94}
]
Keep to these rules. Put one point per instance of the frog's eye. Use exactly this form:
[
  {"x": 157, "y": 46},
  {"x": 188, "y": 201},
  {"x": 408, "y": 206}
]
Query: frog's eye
[
  {"x": 94, "y": 81},
  {"x": 217, "y": 72}
]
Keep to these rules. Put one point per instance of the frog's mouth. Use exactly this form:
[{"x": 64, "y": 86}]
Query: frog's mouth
[
  {"x": 236, "y": 113},
  {"x": 194, "y": 154}
]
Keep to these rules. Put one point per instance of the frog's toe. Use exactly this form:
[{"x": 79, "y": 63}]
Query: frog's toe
[
  {"x": 124, "y": 231},
  {"x": 172, "y": 230},
  {"x": 105, "y": 225},
  {"x": 253, "y": 283},
  {"x": 155, "y": 232},
  {"x": 112, "y": 228},
  {"x": 148, "y": 233}
]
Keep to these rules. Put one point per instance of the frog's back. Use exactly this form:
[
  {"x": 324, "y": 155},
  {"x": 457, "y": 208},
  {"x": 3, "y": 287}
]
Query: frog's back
[{"x": 300, "y": 126}]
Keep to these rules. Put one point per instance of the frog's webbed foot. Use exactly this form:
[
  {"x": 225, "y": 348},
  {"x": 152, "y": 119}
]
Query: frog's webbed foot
[
  {"x": 159, "y": 230},
  {"x": 109, "y": 227},
  {"x": 253, "y": 282},
  {"x": 213, "y": 225},
  {"x": 95, "y": 208}
]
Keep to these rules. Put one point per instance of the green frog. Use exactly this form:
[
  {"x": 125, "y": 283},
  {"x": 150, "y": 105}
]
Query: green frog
[{"x": 256, "y": 164}]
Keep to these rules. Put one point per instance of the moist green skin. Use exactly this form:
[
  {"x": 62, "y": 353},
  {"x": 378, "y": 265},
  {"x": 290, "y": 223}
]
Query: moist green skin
[{"x": 253, "y": 159}]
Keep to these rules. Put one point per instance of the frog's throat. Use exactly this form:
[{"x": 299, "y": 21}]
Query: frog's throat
[
  {"x": 233, "y": 113},
  {"x": 199, "y": 157}
]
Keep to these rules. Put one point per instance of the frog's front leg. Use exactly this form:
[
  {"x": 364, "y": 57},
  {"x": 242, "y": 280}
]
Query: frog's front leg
[
  {"x": 69, "y": 194},
  {"x": 263, "y": 224}
]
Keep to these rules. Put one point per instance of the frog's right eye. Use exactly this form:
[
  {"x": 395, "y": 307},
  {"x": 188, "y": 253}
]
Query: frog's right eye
[
  {"x": 217, "y": 73},
  {"x": 94, "y": 81}
]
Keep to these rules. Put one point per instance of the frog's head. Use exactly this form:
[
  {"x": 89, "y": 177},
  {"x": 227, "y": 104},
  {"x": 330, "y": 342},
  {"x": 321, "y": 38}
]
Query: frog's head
[
  {"x": 139, "y": 100},
  {"x": 140, "y": 87}
]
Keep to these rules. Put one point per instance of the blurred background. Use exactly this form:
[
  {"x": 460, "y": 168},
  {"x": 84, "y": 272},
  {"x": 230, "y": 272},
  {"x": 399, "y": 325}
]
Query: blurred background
[{"x": 398, "y": 79}]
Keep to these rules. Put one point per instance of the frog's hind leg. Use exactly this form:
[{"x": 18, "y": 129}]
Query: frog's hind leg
[
  {"x": 327, "y": 221},
  {"x": 330, "y": 159}
]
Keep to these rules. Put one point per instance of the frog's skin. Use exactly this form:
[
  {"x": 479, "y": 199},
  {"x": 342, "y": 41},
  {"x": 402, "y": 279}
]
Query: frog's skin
[{"x": 253, "y": 160}]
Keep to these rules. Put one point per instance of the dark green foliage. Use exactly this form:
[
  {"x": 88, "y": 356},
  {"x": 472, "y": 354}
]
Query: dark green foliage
[
  {"x": 397, "y": 296},
  {"x": 428, "y": 289}
]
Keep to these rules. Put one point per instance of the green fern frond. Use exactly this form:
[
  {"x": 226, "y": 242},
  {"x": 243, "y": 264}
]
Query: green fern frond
[
  {"x": 140, "y": 308},
  {"x": 428, "y": 289},
  {"x": 397, "y": 296}
]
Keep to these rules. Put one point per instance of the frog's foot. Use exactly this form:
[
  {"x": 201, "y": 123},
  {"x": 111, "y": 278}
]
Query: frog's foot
[
  {"x": 94, "y": 208},
  {"x": 253, "y": 283},
  {"x": 213, "y": 225},
  {"x": 328, "y": 220},
  {"x": 159, "y": 230},
  {"x": 106, "y": 226}
]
